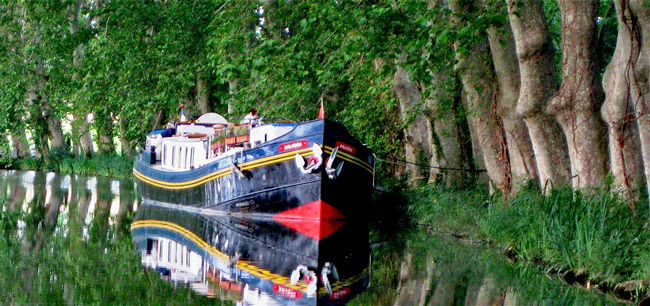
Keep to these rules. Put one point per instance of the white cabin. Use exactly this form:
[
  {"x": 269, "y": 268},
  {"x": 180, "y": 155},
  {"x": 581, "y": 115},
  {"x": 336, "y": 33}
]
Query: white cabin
[{"x": 190, "y": 145}]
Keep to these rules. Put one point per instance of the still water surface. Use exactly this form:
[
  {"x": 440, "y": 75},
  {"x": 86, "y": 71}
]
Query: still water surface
[{"x": 68, "y": 240}]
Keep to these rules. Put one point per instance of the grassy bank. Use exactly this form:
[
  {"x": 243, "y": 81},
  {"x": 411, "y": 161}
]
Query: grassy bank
[
  {"x": 110, "y": 165},
  {"x": 598, "y": 238}
]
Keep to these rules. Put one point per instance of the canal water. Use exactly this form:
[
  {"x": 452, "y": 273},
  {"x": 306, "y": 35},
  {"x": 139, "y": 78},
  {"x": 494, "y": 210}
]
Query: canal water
[{"x": 76, "y": 240}]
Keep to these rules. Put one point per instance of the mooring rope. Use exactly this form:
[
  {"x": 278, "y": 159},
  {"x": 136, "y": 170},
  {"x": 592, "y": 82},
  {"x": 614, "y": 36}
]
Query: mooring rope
[{"x": 402, "y": 162}]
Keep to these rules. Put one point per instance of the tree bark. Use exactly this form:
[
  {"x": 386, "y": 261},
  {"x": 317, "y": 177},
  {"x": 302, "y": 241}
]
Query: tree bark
[
  {"x": 55, "y": 133},
  {"x": 85, "y": 139},
  {"x": 202, "y": 95},
  {"x": 622, "y": 92},
  {"x": 81, "y": 134},
  {"x": 418, "y": 128},
  {"x": 638, "y": 24},
  {"x": 19, "y": 141},
  {"x": 232, "y": 88},
  {"x": 35, "y": 119},
  {"x": 535, "y": 53},
  {"x": 442, "y": 110},
  {"x": 127, "y": 150},
  {"x": 104, "y": 125},
  {"x": 576, "y": 104},
  {"x": 520, "y": 149},
  {"x": 479, "y": 86}
]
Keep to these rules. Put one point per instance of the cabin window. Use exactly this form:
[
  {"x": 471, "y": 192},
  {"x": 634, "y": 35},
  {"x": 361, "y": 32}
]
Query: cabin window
[
  {"x": 187, "y": 261},
  {"x": 175, "y": 252},
  {"x": 164, "y": 153},
  {"x": 173, "y": 155},
  {"x": 181, "y": 256},
  {"x": 169, "y": 252},
  {"x": 181, "y": 157},
  {"x": 185, "y": 159},
  {"x": 191, "y": 157},
  {"x": 179, "y": 162}
]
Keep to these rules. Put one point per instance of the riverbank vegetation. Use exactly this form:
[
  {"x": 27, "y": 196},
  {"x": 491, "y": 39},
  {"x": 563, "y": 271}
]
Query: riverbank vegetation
[
  {"x": 593, "y": 240},
  {"x": 95, "y": 164}
]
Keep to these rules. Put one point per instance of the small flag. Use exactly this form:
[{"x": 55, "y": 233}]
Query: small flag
[
  {"x": 183, "y": 118},
  {"x": 321, "y": 112}
]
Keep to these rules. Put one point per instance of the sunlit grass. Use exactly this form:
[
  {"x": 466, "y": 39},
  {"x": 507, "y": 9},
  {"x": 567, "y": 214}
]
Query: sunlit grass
[
  {"x": 566, "y": 229},
  {"x": 110, "y": 165}
]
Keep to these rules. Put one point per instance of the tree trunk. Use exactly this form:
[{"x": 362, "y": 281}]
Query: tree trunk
[
  {"x": 51, "y": 117},
  {"x": 85, "y": 139},
  {"x": 19, "y": 141},
  {"x": 640, "y": 28},
  {"x": 478, "y": 84},
  {"x": 232, "y": 87},
  {"x": 520, "y": 149},
  {"x": 622, "y": 92},
  {"x": 81, "y": 134},
  {"x": 202, "y": 95},
  {"x": 442, "y": 110},
  {"x": 418, "y": 142},
  {"x": 127, "y": 150},
  {"x": 535, "y": 53},
  {"x": 37, "y": 123},
  {"x": 35, "y": 119},
  {"x": 47, "y": 126},
  {"x": 54, "y": 127},
  {"x": 104, "y": 124},
  {"x": 577, "y": 103}
]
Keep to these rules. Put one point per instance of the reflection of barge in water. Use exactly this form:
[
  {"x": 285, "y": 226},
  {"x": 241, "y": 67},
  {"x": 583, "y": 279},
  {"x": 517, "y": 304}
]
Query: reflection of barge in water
[
  {"x": 313, "y": 170},
  {"x": 260, "y": 261}
]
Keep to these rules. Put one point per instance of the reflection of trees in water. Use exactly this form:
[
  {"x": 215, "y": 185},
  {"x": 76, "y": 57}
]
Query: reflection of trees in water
[
  {"x": 429, "y": 284},
  {"x": 53, "y": 253},
  {"x": 433, "y": 270}
]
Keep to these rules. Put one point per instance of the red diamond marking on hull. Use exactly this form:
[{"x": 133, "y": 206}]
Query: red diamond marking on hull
[
  {"x": 316, "y": 220},
  {"x": 317, "y": 210},
  {"x": 313, "y": 228}
]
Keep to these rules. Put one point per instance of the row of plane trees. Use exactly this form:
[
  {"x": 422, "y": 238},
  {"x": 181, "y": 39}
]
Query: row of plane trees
[{"x": 542, "y": 91}]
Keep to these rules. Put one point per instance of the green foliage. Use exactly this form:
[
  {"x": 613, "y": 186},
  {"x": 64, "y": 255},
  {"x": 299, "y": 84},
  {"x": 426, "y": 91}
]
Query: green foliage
[
  {"x": 566, "y": 229},
  {"x": 62, "y": 161}
]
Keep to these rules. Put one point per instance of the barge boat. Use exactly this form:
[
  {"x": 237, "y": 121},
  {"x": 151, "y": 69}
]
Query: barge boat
[{"x": 308, "y": 170}]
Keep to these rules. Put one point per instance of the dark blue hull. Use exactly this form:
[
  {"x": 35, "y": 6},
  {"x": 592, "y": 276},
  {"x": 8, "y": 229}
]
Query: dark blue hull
[{"x": 266, "y": 180}]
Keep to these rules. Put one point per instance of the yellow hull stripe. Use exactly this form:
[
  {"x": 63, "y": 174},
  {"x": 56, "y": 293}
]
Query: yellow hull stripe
[
  {"x": 351, "y": 158},
  {"x": 182, "y": 185},
  {"x": 247, "y": 166},
  {"x": 244, "y": 265},
  {"x": 274, "y": 159}
]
